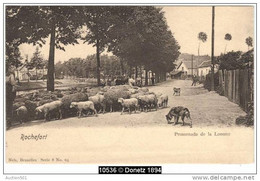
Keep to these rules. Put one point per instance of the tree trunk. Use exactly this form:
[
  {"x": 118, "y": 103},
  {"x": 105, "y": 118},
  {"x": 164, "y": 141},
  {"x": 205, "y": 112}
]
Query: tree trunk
[
  {"x": 157, "y": 77},
  {"x": 141, "y": 75},
  {"x": 36, "y": 74},
  {"x": 130, "y": 71},
  {"x": 43, "y": 74},
  {"x": 136, "y": 72},
  {"x": 28, "y": 75},
  {"x": 18, "y": 75},
  {"x": 122, "y": 67},
  {"x": 98, "y": 63},
  {"x": 146, "y": 77},
  {"x": 50, "y": 74}
]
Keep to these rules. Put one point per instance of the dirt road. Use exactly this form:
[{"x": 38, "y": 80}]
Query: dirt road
[
  {"x": 143, "y": 137},
  {"x": 207, "y": 109}
]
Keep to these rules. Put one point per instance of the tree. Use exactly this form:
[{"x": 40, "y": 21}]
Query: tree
[
  {"x": 33, "y": 24},
  {"x": 249, "y": 42},
  {"x": 227, "y": 37},
  {"x": 29, "y": 66},
  {"x": 202, "y": 38},
  {"x": 230, "y": 61},
  {"x": 14, "y": 58},
  {"x": 37, "y": 61},
  {"x": 98, "y": 20},
  {"x": 142, "y": 38}
]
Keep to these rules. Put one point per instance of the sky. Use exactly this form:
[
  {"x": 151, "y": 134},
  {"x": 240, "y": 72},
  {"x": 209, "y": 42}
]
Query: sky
[{"x": 185, "y": 22}]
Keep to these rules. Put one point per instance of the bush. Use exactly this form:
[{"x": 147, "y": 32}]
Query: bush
[{"x": 207, "y": 82}]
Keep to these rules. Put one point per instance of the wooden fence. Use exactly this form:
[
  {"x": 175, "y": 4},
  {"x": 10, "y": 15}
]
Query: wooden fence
[{"x": 237, "y": 86}]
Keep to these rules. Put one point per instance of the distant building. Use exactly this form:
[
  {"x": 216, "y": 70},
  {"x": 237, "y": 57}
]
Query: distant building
[
  {"x": 205, "y": 67},
  {"x": 23, "y": 74},
  {"x": 188, "y": 65}
]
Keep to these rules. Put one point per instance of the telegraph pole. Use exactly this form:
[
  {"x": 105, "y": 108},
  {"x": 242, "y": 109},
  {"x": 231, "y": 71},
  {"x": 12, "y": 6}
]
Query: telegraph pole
[
  {"x": 191, "y": 65},
  {"x": 212, "y": 48}
]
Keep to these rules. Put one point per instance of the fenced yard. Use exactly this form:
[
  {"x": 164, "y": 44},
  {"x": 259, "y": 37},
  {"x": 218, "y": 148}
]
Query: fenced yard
[{"x": 237, "y": 86}]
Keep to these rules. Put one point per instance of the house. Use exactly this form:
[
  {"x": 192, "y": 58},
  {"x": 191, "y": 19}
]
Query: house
[
  {"x": 205, "y": 67},
  {"x": 23, "y": 74},
  {"x": 186, "y": 67}
]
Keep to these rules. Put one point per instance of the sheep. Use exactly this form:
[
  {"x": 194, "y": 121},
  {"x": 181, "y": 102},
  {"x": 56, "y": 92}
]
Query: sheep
[
  {"x": 148, "y": 101},
  {"x": 68, "y": 99},
  {"x": 112, "y": 96},
  {"x": 163, "y": 100},
  {"x": 143, "y": 89},
  {"x": 49, "y": 107},
  {"x": 80, "y": 106},
  {"x": 22, "y": 114},
  {"x": 99, "y": 100},
  {"x": 137, "y": 95},
  {"x": 31, "y": 106},
  {"x": 133, "y": 91},
  {"x": 128, "y": 103}
]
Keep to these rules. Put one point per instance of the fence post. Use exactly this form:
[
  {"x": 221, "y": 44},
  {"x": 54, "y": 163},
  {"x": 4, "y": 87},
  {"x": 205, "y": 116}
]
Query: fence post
[
  {"x": 220, "y": 79},
  {"x": 237, "y": 97},
  {"x": 234, "y": 86},
  {"x": 230, "y": 85},
  {"x": 225, "y": 83}
]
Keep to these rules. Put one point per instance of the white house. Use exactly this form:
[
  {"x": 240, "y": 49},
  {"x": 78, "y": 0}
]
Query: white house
[
  {"x": 187, "y": 67},
  {"x": 205, "y": 67},
  {"x": 181, "y": 67},
  {"x": 23, "y": 74}
]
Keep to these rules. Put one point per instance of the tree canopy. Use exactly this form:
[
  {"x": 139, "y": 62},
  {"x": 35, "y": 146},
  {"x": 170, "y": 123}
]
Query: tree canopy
[{"x": 137, "y": 35}]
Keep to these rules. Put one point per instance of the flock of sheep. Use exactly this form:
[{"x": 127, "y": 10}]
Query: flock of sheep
[{"x": 76, "y": 102}]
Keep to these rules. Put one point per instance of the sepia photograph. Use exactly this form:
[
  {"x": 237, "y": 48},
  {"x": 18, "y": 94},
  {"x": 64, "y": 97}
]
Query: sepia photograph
[{"x": 129, "y": 84}]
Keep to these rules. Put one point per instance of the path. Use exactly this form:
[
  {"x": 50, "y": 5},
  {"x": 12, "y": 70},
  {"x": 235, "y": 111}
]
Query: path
[{"x": 143, "y": 137}]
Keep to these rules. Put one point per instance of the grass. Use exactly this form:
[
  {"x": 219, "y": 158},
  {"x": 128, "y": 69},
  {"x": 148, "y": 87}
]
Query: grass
[{"x": 33, "y": 85}]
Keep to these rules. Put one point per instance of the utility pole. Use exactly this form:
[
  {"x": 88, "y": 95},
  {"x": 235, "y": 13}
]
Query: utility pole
[
  {"x": 191, "y": 65},
  {"x": 212, "y": 48}
]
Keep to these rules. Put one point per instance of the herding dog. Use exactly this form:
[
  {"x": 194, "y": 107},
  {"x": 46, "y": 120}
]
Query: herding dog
[
  {"x": 177, "y": 112},
  {"x": 176, "y": 91}
]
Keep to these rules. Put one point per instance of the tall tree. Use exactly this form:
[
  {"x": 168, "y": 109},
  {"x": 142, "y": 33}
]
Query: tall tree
[
  {"x": 33, "y": 24},
  {"x": 227, "y": 37},
  {"x": 142, "y": 38},
  {"x": 37, "y": 61},
  {"x": 29, "y": 66},
  {"x": 202, "y": 37},
  {"x": 13, "y": 58},
  {"x": 249, "y": 42},
  {"x": 98, "y": 21}
]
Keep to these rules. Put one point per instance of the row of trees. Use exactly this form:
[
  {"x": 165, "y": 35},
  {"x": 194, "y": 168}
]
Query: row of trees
[
  {"x": 202, "y": 37},
  {"x": 139, "y": 36},
  {"x": 78, "y": 67}
]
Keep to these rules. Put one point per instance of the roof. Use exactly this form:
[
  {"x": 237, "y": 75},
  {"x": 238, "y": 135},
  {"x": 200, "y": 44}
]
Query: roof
[
  {"x": 205, "y": 64},
  {"x": 189, "y": 64}
]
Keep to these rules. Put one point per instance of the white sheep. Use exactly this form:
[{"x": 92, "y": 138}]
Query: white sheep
[
  {"x": 46, "y": 108},
  {"x": 147, "y": 101},
  {"x": 80, "y": 106},
  {"x": 128, "y": 103},
  {"x": 99, "y": 100},
  {"x": 22, "y": 114},
  {"x": 163, "y": 100}
]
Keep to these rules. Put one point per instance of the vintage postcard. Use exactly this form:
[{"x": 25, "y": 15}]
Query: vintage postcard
[{"x": 157, "y": 85}]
